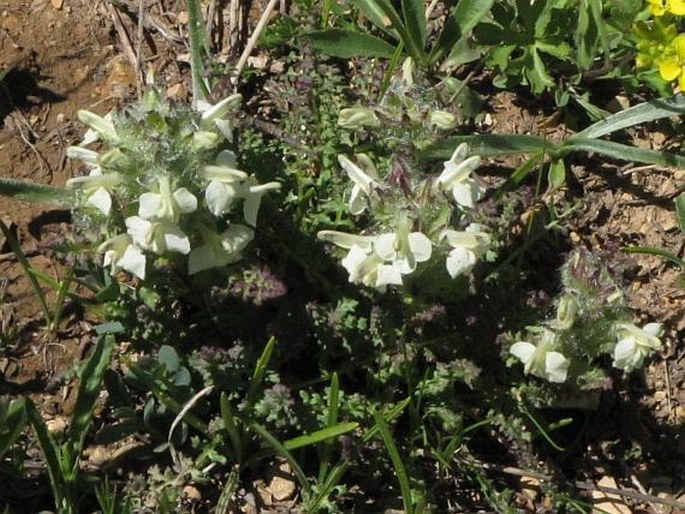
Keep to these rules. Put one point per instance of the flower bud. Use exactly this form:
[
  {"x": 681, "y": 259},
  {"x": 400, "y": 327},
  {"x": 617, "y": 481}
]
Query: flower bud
[
  {"x": 566, "y": 312},
  {"x": 356, "y": 117},
  {"x": 443, "y": 120}
]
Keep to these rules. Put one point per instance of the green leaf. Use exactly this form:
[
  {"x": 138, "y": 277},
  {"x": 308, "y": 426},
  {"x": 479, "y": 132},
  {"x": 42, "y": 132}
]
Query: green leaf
[
  {"x": 397, "y": 464},
  {"x": 11, "y": 423},
  {"x": 624, "y": 152},
  {"x": 320, "y": 435},
  {"x": 656, "y": 251},
  {"x": 259, "y": 371},
  {"x": 463, "y": 19},
  {"x": 88, "y": 392},
  {"x": 557, "y": 174},
  {"x": 642, "y": 113},
  {"x": 376, "y": 14},
  {"x": 415, "y": 21},
  {"x": 488, "y": 145},
  {"x": 51, "y": 453},
  {"x": 283, "y": 452},
  {"x": 346, "y": 43},
  {"x": 31, "y": 192},
  {"x": 680, "y": 209}
]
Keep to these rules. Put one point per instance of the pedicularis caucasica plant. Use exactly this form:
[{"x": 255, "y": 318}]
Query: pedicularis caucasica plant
[
  {"x": 161, "y": 192},
  {"x": 591, "y": 320},
  {"x": 409, "y": 212}
]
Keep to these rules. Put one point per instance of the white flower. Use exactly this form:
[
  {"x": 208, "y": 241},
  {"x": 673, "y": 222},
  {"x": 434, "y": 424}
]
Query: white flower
[
  {"x": 456, "y": 179},
  {"x": 120, "y": 253},
  {"x": 100, "y": 127},
  {"x": 365, "y": 181},
  {"x": 379, "y": 261},
  {"x": 214, "y": 115},
  {"x": 541, "y": 360},
  {"x": 252, "y": 191},
  {"x": 97, "y": 186},
  {"x": 403, "y": 249},
  {"x": 228, "y": 184},
  {"x": 157, "y": 236},
  {"x": 635, "y": 343},
  {"x": 224, "y": 184},
  {"x": 468, "y": 247},
  {"x": 220, "y": 249},
  {"x": 166, "y": 205}
]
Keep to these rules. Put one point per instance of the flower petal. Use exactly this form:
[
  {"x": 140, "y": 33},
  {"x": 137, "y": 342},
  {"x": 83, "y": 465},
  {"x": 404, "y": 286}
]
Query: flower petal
[
  {"x": 101, "y": 200},
  {"x": 523, "y": 350},
  {"x": 149, "y": 205},
  {"x": 420, "y": 246},
  {"x": 460, "y": 261},
  {"x": 556, "y": 367},
  {"x": 185, "y": 200},
  {"x": 133, "y": 261},
  {"x": 219, "y": 197}
]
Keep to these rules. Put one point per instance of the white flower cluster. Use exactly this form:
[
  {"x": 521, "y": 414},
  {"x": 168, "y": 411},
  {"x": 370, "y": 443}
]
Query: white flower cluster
[
  {"x": 383, "y": 259},
  {"x": 169, "y": 217},
  {"x": 543, "y": 357}
]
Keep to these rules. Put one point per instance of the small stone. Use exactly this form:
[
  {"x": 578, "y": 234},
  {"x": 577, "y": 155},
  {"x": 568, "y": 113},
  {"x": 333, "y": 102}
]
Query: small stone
[
  {"x": 659, "y": 396},
  {"x": 183, "y": 18},
  {"x": 192, "y": 493},
  {"x": 57, "y": 4},
  {"x": 282, "y": 486}
]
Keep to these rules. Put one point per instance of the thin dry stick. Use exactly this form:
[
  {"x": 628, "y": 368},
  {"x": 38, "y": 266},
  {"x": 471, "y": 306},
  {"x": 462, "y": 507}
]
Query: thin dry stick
[
  {"x": 139, "y": 49},
  {"x": 586, "y": 486},
  {"x": 254, "y": 37},
  {"x": 179, "y": 417},
  {"x": 669, "y": 400},
  {"x": 123, "y": 35},
  {"x": 429, "y": 11}
]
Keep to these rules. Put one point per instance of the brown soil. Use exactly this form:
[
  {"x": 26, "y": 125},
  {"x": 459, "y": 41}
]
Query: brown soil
[{"x": 65, "y": 56}]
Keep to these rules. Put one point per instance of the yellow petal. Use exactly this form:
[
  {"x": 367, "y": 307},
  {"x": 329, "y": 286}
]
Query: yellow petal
[
  {"x": 669, "y": 69},
  {"x": 679, "y": 45},
  {"x": 677, "y": 7}
]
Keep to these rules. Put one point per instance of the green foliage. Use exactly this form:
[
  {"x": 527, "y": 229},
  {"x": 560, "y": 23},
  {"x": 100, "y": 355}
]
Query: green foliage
[{"x": 407, "y": 28}]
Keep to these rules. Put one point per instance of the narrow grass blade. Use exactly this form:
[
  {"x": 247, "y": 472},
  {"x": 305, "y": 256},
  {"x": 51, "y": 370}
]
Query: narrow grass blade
[
  {"x": 648, "y": 250},
  {"x": 488, "y": 145},
  {"x": 283, "y": 452},
  {"x": 231, "y": 427},
  {"x": 12, "y": 423},
  {"x": 397, "y": 463},
  {"x": 51, "y": 453},
  {"x": 332, "y": 420},
  {"x": 40, "y": 193},
  {"x": 88, "y": 392},
  {"x": 642, "y": 113},
  {"x": 624, "y": 152},
  {"x": 320, "y": 435},
  {"x": 332, "y": 480},
  {"x": 680, "y": 209},
  {"x": 258, "y": 374},
  {"x": 21, "y": 257},
  {"x": 223, "y": 505},
  {"x": 388, "y": 416}
]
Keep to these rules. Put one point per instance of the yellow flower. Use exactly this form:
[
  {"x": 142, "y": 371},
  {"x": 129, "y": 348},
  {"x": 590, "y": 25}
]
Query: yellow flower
[
  {"x": 673, "y": 66},
  {"x": 661, "y": 7}
]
